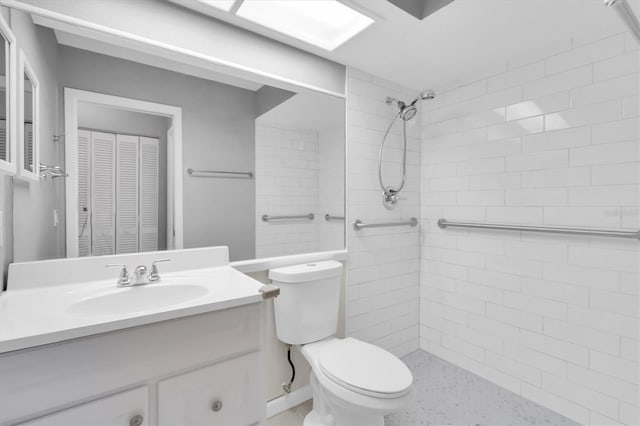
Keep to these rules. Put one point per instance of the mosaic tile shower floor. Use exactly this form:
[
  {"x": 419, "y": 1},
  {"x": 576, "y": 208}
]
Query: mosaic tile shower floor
[{"x": 449, "y": 395}]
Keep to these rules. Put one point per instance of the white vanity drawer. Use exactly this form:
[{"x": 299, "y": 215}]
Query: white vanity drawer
[
  {"x": 130, "y": 408},
  {"x": 227, "y": 393}
]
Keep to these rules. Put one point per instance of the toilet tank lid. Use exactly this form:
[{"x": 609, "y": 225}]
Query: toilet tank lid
[{"x": 306, "y": 272}]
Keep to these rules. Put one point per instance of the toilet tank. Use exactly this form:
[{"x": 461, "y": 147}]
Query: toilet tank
[{"x": 307, "y": 308}]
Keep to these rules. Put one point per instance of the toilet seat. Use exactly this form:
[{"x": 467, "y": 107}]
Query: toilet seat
[{"x": 365, "y": 369}]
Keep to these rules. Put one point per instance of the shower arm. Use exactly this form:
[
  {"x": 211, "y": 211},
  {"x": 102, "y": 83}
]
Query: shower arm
[{"x": 626, "y": 14}]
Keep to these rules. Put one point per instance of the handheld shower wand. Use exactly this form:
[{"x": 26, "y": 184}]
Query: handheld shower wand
[{"x": 390, "y": 195}]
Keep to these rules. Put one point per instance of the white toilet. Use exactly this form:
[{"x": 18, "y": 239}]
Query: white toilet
[{"x": 354, "y": 383}]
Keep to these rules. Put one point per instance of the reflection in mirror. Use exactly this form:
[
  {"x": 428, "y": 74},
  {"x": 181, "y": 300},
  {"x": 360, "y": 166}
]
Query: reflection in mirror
[
  {"x": 28, "y": 122},
  {"x": 28, "y": 107},
  {"x": 121, "y": 162},
  {"x": 246, "y": 150},
  {"x": 7, "y": 58},
  {"x": 4, "y": 101},
  {"x": 300, "y": 173}
]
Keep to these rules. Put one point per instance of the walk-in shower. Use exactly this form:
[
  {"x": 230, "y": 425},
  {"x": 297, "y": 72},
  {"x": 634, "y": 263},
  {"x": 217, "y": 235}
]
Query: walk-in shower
[{"x": 406, "y": 112}]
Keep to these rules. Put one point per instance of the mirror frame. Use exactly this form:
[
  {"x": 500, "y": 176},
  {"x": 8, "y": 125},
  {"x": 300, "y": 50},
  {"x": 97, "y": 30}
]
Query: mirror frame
[
  {"x": 9, "y": 167},
  {"x": 24, "y": 67}
]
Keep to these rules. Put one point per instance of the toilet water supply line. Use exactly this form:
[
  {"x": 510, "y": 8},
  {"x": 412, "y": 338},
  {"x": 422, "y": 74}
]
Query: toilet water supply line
[{"x": 287, "y": 386}]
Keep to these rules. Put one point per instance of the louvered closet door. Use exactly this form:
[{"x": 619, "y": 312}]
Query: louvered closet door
[
  {"x": 149, "y": 168},
  {"x": 28, "y": 150},
  {"x": 84, "y": 193},
  {"x": 103, "y": 184},
  {"x": 127, "y": 194},
  {"x": 4, "y": 149}
]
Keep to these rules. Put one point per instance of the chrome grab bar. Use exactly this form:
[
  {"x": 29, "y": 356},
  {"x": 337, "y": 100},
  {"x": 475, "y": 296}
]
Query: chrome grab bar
[
  {"x": 358, "y": 224},
  {"x": 328, "y": 217},
  {"x": 267, "y": 218},
  {"x": 444, "y": 223},
  {"x": 212, "y": 173}
]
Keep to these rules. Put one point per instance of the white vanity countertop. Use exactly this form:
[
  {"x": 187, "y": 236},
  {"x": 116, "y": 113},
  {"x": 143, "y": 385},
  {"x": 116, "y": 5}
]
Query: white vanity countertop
[{"x": 47, "y": 314}]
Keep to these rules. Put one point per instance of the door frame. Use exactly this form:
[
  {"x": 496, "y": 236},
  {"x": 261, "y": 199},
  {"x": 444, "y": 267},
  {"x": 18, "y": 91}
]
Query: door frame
[{"x": 72, "y": 97}]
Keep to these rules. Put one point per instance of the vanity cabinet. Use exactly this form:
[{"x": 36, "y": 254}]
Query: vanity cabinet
[
  {"x": 124, "y": 408},
  {"x": 200, "y": 369},
  {"x": 222, "y": 394}
]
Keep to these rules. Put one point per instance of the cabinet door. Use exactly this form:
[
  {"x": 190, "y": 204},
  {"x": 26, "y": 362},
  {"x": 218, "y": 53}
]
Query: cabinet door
[
  {"x": 130, "y": 408},
  {"x": 227, "y": 393}
]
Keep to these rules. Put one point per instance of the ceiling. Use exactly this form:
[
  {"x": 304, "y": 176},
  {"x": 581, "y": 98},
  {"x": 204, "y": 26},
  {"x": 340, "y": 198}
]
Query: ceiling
[
  {"x": 465, "y": 40},
  {"x": 470, "y": 38}
]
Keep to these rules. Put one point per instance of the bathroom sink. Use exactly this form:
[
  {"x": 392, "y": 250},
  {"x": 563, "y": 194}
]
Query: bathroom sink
[{"x": 137, "y": 299}]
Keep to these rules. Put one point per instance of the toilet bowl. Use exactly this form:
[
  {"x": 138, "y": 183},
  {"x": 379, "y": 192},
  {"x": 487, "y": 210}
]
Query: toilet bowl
[{"x": 353, "y": 382}]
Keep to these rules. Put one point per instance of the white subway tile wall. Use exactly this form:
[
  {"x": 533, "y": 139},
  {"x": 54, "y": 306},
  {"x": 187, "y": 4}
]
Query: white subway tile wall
[
  {"x": 286, "y": 184},
  {"x": 382, "y": 294},
  {"x": 331, "y": 189},
  {"x": 551, "y": 142}
]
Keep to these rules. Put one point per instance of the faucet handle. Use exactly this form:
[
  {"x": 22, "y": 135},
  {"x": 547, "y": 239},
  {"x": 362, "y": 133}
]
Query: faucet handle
[
  {"x": 123, "y": 278},
  {"x": 154, "y": 275}
]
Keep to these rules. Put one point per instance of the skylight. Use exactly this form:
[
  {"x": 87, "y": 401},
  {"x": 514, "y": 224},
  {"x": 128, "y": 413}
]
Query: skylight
[{"x": 323, "y": 23}]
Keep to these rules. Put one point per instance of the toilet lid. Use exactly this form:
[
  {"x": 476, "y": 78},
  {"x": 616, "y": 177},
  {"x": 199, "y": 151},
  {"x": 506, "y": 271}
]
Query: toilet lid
[{"x": 365, "y": 368}]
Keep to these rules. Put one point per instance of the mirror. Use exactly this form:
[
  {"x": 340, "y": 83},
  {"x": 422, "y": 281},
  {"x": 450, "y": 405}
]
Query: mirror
[
  {"x": 161, "y": 155},
  {"x": 28, "y": 119},
  {"x": 7, "y": 108}
]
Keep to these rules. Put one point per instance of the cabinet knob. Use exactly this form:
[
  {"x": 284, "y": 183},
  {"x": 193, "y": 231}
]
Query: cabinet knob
[
  {"x": 216, "y": 406},
  {"x": 136, "y": 420}
]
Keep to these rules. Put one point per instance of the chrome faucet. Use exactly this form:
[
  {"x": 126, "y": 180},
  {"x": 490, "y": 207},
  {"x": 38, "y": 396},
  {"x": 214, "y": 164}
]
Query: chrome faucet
[
  {"x": 140, "y": 275},
  {"x": 124, "y": 279},
  {"x": 154, "y": 275}
]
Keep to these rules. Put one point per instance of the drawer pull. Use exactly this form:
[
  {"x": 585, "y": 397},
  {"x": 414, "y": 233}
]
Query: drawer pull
[
  {"x": 216, "y": 406},
  {"x": 136, "y": 420}
]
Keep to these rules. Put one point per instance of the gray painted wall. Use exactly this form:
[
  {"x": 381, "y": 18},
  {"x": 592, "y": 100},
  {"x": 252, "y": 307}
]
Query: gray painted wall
[{"x": 35, "y": 237}]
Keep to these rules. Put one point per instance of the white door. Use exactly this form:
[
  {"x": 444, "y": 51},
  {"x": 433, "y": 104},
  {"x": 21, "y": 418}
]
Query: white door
[
  {"x": 125, "y": 408},
  {"x": 84, "y": 193},
  {"x": 149, "y": 168},
  {"x": 127, "y": 194},
  {"x": 103, "y": 184}
]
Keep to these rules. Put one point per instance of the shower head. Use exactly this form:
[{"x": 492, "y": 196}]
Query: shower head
[
  {"x": 427, "y": 95},
  {"x": 408, "y": 112}
]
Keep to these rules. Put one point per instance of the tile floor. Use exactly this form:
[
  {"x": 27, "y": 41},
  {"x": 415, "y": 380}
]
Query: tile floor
[{"x": 449, "y": 395}]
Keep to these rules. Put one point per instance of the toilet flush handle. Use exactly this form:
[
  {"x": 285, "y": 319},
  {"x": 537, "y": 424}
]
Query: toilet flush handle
[{"x": 269, "y": 291}]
